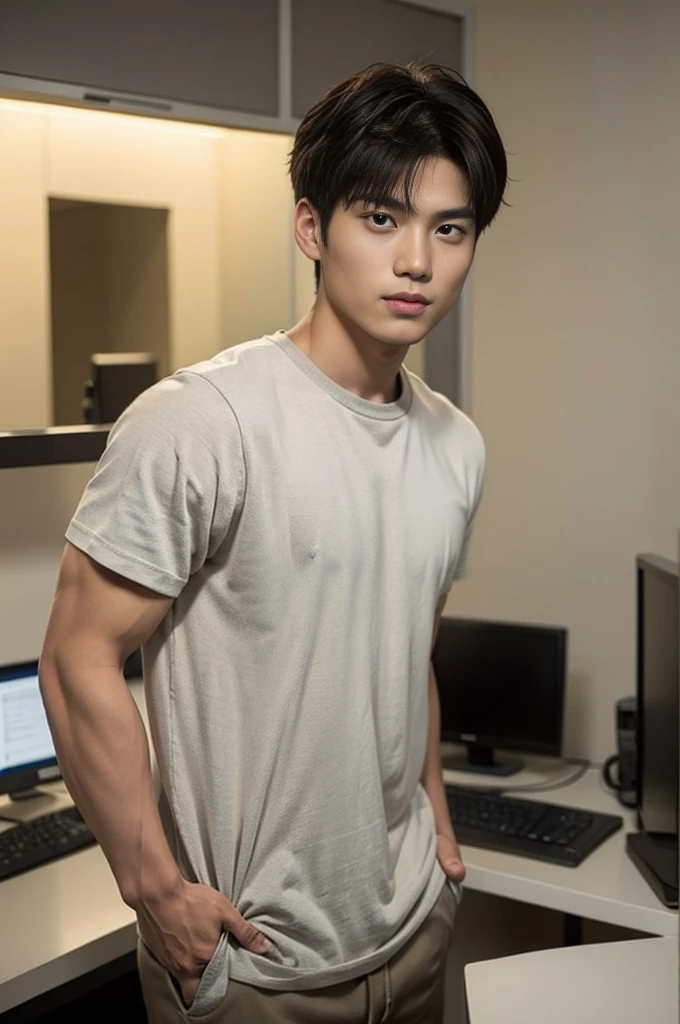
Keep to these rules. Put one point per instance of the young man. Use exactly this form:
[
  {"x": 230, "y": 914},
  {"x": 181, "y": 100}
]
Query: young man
[{"x": 279, "y": 528}]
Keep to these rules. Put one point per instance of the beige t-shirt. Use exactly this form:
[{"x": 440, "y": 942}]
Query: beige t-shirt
[{"x": 306, "y": 535}]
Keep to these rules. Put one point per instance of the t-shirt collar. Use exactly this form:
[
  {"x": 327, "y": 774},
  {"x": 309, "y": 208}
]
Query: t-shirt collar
[{"x": 362, "y": 406}]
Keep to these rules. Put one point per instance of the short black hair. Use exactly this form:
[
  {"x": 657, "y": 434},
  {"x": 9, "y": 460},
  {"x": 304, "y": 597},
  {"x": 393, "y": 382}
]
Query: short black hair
[{"x": 369, "y": 135}]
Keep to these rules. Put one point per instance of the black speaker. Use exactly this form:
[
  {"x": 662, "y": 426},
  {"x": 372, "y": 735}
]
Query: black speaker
[{"x": 625, "y": 784}]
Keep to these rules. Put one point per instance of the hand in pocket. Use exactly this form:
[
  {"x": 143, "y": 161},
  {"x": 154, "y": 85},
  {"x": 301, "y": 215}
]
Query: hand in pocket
[{"x": 182, "y": 930}]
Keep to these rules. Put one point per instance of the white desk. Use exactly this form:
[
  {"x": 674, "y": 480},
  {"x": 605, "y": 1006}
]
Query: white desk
[
  {"x": 65, "y": 919},
  {"x": 609, "y": 983},
  {"x": 605, "y": 887}
]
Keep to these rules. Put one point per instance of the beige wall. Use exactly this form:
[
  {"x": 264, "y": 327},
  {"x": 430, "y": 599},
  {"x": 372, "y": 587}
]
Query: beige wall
[
  {"x": 35, "y": 507},
  {"x": 108, "y": 292},
  {"x": 576, "y": 353},
  {"x": 79, "y": 301},
  {"x": 25, "y": 368},
  {"x": 256, "y": 218},
  {"x": 139, "y": 292},
  {"x": 229, "y": 272}
]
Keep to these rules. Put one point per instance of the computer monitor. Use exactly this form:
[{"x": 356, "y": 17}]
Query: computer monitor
[
  {"x": 116, "y": 380},
  {"x": 655, "y": 846},
  {"x": 501, "y": 685},
  {"x": 27, "y": 755}
]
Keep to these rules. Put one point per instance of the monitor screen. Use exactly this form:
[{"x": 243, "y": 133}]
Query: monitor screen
[
  {"x": 657, "y": 695},
  {"x": 27, "y": 754},
  {"x": 501, "y": 684}
]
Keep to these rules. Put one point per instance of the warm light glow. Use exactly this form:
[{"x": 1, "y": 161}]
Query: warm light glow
[{"x": 104, "y": 117}]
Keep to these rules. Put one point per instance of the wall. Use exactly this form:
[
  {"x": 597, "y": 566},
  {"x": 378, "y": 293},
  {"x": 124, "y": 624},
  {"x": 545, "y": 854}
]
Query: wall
[
  {"x": 230, "y": 276},
  {"x": 139, "y": 293},
  {"x": 25, "y": 380},
  {"x": 576, "y": 361},
  {"x": 256, "y": 224},
  {"x": 79, "y": 293},
  {"x": 108, "y": 292},
  {"x": 35, "y": 507}
]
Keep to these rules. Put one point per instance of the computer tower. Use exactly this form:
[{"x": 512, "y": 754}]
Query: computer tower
[{"x": 116, "y": 380}]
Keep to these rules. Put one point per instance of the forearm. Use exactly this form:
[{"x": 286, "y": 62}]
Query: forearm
[
  {"x": 103, "y": 754},
  {"x": 432, "y": 779}
]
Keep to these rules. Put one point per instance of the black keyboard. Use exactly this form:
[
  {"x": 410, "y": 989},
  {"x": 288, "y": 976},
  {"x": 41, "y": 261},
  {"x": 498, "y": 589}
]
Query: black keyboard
[
  {"x": 563, "y": 835},
  {"x": 31, "y": 843}
]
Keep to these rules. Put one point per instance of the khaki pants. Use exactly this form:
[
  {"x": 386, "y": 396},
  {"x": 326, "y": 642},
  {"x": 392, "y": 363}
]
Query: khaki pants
[{"x": 408, "y": 989}]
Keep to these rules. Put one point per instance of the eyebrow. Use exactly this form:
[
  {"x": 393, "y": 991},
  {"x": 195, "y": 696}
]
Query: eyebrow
[{"x": 390, "y": 203}]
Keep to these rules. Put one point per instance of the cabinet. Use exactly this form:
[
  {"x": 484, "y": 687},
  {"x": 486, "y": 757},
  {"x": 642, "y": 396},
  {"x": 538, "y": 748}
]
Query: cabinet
[
  {"x": 204, "y": 53},
  {"x": 255, "y": 64},
  {"x": 331, "y": 41}
]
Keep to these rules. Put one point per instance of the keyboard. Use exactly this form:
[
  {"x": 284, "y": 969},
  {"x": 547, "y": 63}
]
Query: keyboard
[
  {"x": 32, "y": 843},
  {"x": 562, "y": 835}
]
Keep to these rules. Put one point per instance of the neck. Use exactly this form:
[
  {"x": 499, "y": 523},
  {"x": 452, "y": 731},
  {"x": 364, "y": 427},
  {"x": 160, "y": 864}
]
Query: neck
[{"x": 355, "y": 360}]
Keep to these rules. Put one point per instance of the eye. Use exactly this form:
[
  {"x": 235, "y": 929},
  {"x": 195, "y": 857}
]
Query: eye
[
  {"x": 449, "y": 230},
  {"x": 379, "y": 220}
]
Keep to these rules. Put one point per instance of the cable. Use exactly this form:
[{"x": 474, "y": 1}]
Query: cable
[{"x": 540, "y": 787}]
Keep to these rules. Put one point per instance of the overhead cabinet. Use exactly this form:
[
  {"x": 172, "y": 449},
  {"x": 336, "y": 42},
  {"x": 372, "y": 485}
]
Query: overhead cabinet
[
  {"x": 262, "y": 63},
  {"x": 333, "y": 40},
  {"x": 203, "y": 53}
]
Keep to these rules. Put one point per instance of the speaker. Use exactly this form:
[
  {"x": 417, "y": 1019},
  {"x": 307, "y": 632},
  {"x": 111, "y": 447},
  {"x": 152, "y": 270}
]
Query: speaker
[{"x": 625, "y": 784}]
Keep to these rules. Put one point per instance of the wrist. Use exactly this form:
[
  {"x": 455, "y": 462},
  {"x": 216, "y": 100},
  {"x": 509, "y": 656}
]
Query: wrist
[{"x": 151, "y": 888}]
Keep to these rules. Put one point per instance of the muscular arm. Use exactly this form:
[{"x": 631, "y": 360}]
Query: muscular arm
[
  {"x": 432, "y": 779},
  {"x": 96, "y": 620}
]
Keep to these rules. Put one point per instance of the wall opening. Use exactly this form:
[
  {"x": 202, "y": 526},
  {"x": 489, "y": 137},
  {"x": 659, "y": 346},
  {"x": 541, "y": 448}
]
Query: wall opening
[{"x": 109, "y": 292}]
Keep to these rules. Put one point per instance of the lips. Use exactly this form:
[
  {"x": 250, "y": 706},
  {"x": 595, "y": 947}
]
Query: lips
[
  {"x": 409, "y": 297},
  {"x": 407, "y": 304}
]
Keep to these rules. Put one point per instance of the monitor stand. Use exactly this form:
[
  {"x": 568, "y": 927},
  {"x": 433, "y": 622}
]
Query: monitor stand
[
  {"x": 656, "y": 858},
  {"x": 26, "y": 794},
  {"x": 482, "y": 761},
  {"x": 25, "y": 804}
]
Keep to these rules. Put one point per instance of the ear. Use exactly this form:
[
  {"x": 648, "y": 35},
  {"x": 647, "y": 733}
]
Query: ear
[{"x": 306, "y": 229}]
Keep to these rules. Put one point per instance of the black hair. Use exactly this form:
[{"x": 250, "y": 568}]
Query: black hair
[{"x": 369, "y": 135}]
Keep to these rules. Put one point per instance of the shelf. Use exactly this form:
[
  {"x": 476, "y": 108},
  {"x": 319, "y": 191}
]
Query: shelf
[{"x": 52, "y": 446}]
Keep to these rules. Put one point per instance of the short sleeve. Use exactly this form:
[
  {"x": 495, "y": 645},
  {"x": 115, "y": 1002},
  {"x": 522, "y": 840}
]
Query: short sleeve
[
  {"x": 168, "y": 487},
  {"x": 476, "y": 474}
]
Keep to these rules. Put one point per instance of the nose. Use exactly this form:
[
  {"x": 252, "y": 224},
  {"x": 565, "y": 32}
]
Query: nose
[{"x": 412, "y": 257}]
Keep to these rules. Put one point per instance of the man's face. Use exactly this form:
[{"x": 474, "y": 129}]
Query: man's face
[{"x": 377, "y": 254}]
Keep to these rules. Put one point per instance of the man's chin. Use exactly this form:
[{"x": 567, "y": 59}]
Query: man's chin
[
  {"x": 400, "y": 334},
  {"x": 400, "y": 342}
]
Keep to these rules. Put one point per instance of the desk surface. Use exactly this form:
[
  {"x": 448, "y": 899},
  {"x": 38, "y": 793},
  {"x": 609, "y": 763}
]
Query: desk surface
[
  {"x": 606, "y": 886},
  {"x": 65, "y": 919},
  {"x": 611, "y": 983}
]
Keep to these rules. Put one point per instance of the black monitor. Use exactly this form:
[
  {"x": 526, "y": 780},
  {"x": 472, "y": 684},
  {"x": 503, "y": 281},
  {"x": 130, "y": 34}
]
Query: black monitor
[
  {"x": 116, "y": 380},
  {"x": 27, "y": 755},
  {"x": 655, "y": 846},
  {"x": 501, "y": 685}
]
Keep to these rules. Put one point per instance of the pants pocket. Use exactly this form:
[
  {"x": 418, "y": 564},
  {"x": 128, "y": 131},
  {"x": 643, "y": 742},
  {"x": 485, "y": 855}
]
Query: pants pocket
[
  {"x": 212, "y": 987},
  {"x": 456, "y": 890}
]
